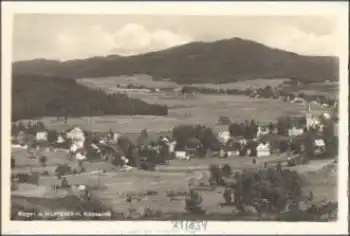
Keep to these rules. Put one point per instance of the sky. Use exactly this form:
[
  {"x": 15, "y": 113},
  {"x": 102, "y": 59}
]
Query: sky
[{"x": 65, "y": 37}]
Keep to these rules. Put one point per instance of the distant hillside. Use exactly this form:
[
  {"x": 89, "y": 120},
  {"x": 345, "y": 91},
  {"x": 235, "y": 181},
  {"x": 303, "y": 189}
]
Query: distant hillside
[
  {"x": 36, "y": 96},
  {"x": 215, "y": 62}
]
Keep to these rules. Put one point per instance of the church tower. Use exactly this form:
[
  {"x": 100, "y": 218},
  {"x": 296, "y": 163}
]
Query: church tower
[{"x": 308, "y": 117}]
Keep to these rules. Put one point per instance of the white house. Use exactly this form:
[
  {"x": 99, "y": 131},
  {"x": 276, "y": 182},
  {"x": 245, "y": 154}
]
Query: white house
[
  {"x": 262, "y": 131},
  {"x": 224, "y": 137},
  {"x": 76, "y": 134},
  {"x": 263, "y": 150},
  {"x": 295, "y": 132},
  {"x": 320, "y": 145},
  {"x": 182, "y": 155},
  {"x": 297, "y": 100},
  {"x": 326, "y": 116},
  {"x": 60, "y": 139},
  {"x": 41, "y": 135}
]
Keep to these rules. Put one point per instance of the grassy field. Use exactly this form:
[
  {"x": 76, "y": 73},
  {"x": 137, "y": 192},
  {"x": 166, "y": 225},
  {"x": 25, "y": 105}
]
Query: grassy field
[
  {"x": 145, "y": 80},
  {"x": 112, "y": 187},
  {"x": 197, "y": 109}
]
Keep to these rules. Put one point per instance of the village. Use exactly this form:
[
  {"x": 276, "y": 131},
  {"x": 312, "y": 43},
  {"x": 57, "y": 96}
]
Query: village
[{"x": 285, "y": 143}]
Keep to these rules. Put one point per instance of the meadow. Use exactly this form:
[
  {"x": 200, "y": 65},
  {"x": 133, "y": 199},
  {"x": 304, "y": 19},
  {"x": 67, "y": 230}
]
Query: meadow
[
  {"x": 163, "y": 190},
  {"x": 192, "y": 109}
]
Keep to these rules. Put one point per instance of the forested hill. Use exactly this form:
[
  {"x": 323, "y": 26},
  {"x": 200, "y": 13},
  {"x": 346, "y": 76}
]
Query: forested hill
[
  {"x": 36, "y": 96},
  {"x": 215, "y": 62}
]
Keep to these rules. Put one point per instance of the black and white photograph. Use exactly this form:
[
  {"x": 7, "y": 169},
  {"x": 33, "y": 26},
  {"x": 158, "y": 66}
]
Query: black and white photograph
[{"x": 181, "y": 118}]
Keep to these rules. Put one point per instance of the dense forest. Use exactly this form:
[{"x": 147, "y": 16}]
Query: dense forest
[
  {"x": 36, "y": 96},
  {"x": 215, "y": 62}
]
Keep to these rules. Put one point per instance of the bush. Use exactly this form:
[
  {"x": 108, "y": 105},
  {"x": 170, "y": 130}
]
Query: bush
[
  {"x": 63, "y": 169},
  {"x": 52, "y": 136},
  {"x": 13, "y": 162},
  {"x": 283, "y": 146},
  {"x": 43, "y": 160},
  {"x": 215, "y": 174},
  {"x": 206, "y": 136},
  {"x": 274, "y": 186},
  {"x": 224, "y": 120},
  {"x": 148, "y": 212},
  {"x": 227, "y": 196},
  {"x": 226, "y": 170},
  {"x": 193, "y": 202}
]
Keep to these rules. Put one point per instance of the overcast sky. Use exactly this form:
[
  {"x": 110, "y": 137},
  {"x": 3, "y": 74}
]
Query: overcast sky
[{"x": 66, "y": 37}]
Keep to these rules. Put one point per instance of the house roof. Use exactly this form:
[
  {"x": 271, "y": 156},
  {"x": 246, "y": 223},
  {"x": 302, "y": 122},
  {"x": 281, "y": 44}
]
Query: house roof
[{"x": 319, "y": 142}]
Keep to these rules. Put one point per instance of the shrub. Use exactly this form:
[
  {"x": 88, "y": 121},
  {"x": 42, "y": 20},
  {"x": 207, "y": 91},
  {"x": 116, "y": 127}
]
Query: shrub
[
  {"x": 52, "y": 136},
  {"x": 215, "y": 174},
  {"x": 224, "y": 120},
  {"x": 63, "y": 169},
  {"x": 206, "y": 136},
  {"x": 274, "y": 186},
  {"x": 148, "y": 212},
  {"x": 193, "y": 202},
  {"x": 43, "y": 160},
  {"x": 226, "y": 170},
  {"x": 227, "y": 196},
  {"x": 13, "y": 162}
]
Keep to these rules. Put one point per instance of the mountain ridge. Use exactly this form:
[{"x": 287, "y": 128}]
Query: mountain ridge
[{"x": 221, "y": 61}]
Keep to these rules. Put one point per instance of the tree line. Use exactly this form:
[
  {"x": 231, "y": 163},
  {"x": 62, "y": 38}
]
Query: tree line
[{"x": 38, "y": 96}]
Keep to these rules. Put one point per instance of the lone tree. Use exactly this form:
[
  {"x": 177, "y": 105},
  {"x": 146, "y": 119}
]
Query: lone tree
[
  {"x": 227, "y": 196},
  {"x": 43, "y": 160},
  {"x": 63, "y": 169},
  {"x": 215, "y": 174},
  {"x": 13, "y": 162},
  {"x": 226, "y": 170},
  {"x": 193, "y": 202}
]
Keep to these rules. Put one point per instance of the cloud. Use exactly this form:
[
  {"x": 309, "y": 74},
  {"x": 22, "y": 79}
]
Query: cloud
[
  {"x": 297, "y": 40},
  {"x": 63, "y": 37},
  {"x": 128, "y": 40},
  {"x": 135, "y": 38}
]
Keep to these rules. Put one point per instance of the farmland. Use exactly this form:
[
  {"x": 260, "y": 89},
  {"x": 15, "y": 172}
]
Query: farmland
[
  {"x": 162, "y": 190},
  {"x": 197, "y": 109}
]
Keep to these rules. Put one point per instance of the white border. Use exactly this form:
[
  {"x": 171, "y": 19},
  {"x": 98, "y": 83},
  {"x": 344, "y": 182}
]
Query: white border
[{"x": 337, "y": 9}]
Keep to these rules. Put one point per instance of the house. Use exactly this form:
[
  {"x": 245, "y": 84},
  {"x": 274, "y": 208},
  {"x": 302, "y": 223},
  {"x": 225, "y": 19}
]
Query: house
[
  {"x": 297, "y": 100},
  {"x": 320, "y": 146},
  {"x": 60, "y": 139},
  {"x": 295, "y": 132},
  {"x": 262, "y": 131},
  {"x": 182, "y": 155},
  {"x": 232, "y": 148},
  {"x": 77, "y": 136},
  {"x": 41, "y": 135},
  {"x": 263, "y": 150},
  {"x": 224, "y": 137},
  {"x": 113, "y": 137},
  {"x": 21, "y": 137}
]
